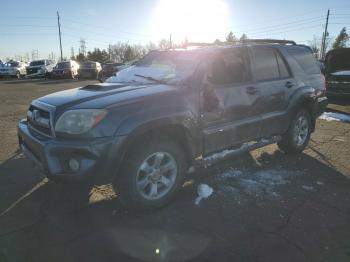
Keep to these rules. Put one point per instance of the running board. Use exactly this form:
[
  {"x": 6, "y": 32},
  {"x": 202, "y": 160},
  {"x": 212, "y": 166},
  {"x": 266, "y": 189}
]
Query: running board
[{"x": 246, "y": 147}]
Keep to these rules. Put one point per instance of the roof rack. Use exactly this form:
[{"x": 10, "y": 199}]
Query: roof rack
[
  {"x": 258, "y": 41},
  {"x": 269, "y": 41}
]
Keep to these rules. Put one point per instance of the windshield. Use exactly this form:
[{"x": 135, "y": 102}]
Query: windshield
[
  {"x": 63, "y": 65},
  {"x": 37, "y": 63},
  {"x": 89, "y": 65},
  {"x": 169, "y": 66},
  {"x": 12, "y": 64}
]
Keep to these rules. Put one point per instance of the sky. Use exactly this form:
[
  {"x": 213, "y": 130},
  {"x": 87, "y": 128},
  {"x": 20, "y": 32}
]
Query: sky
[{"x": 32, "y": 25}]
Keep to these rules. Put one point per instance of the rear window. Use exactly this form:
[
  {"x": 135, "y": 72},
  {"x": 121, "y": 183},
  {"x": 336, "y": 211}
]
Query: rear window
[
  {"x": 305, "y": 59},
  {"x": 266, "y": 67}
]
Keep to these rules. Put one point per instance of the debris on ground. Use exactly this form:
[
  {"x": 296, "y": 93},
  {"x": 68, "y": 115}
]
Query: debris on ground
[{"x": 203, "y": 191}]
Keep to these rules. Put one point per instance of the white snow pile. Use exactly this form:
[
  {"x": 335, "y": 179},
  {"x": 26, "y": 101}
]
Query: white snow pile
[
  {"x": 342, "y": 73},
  {"x": 203, "y": 191},
  {"x": 307, "y": 188},
  {"x": 262, "y": 183},
  {"x": 332, "y": 116}
]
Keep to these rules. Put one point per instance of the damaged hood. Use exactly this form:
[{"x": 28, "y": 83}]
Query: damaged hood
[{"x": 104, "y": 95}]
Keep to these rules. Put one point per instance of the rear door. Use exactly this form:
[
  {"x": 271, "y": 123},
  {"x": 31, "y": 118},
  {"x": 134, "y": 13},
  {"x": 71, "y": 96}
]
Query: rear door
[
  {"x": 274, "y": 80},
  {"x": 228, "y": 101}
]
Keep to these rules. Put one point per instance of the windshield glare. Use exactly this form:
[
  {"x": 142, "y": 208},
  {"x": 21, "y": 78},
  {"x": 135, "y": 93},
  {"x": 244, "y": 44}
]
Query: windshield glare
[
  {"x": 12, "y": 64},
  {"x": 169, "y": 66}
]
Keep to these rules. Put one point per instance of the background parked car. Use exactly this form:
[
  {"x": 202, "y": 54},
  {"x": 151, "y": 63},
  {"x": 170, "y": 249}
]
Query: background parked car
[
  {"x": 337, "y": 71},
  {"x": 40, "y": 68},
  {"x": 13, "y": 69},
  {"x": 66, "y": 69},
  {"x": 90, "y": 69},
  {"x": 109, "y": 70}
]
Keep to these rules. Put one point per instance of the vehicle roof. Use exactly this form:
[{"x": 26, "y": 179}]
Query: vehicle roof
[{"x": 217, "y": 47}]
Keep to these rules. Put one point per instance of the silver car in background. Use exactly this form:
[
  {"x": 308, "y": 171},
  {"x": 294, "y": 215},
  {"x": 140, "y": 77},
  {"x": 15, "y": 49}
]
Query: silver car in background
[
  {"x": 13, "y": 69},
  {"x": 40, "y": 68}
]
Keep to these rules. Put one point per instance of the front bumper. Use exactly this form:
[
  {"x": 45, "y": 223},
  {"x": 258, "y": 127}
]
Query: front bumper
[
  {"x": 8, "y": 73},
  {"x": 338, "y": 88},
  {"x": 97, "y": 157},
  {"x": 321, "y": 105}
]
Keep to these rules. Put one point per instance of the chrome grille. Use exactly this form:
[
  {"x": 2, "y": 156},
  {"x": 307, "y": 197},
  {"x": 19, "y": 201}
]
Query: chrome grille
[{"x": 39, "y": 117}]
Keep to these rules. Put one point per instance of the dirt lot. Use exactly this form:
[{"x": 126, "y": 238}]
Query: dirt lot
[{"x": 266, "y": 206}]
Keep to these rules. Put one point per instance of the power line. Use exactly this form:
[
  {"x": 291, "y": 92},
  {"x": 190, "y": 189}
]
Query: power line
[
  {"x": 99, "y": 33},
  {"x": 43, "y": 26}
]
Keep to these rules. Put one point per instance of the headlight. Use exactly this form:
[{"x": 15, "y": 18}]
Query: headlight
[{"x": 79, "y": 121}]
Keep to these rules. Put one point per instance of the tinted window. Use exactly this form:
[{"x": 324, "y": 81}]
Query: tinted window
[
  {"x": 266, "y": 66},
  {"x": 37, "y": 63},
  {"x": 229, "y": 68},
  {"x": 305, "y": 59},
  {"x": 284, "y": 73}
]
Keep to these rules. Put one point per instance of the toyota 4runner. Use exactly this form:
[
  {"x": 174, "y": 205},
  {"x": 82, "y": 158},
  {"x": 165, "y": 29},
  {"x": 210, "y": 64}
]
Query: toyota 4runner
[{"x": 143, "y": 128}]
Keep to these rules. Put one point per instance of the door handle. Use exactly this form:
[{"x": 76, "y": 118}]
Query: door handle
[
  {"x": 289, "y": 84},
  {"x": 251, "y": 90}
]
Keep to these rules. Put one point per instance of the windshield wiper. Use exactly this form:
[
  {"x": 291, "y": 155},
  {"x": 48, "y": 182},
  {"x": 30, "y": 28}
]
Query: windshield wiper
[{"x": 159, "y": 81}]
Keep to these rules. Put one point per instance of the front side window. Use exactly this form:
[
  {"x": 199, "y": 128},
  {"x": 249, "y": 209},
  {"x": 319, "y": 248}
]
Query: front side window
[{"x": 229, "y": 68}]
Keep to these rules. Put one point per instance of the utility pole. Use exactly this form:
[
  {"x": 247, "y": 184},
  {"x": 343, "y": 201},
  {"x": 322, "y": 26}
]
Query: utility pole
[
  {"x": 170, "y": 41},
  {"x": 325, "y": 34},
  {"x": 59, "y": 33}
]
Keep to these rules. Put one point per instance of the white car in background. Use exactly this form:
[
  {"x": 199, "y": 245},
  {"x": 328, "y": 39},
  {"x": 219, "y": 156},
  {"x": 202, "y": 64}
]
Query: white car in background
[
  {"x": 13, "y": 69},
  {"x": 40, "y": 68}
]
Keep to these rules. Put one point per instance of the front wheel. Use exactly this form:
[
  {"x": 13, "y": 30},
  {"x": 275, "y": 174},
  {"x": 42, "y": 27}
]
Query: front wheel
[
  {"x": 298, "y": 135},
  {"x": 151, "y": 175}
]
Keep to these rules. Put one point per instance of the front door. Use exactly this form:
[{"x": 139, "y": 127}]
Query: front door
[{"x": 228, "y": 101}]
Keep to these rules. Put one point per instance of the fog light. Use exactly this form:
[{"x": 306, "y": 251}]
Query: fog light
[{"x": 74, "y": 164}]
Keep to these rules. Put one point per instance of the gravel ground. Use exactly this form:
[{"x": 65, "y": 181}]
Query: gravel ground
[{"x": 265, "y": 206}]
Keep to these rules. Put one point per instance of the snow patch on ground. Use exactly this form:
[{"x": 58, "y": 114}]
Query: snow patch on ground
[
  {"x": 203, "y": 191},
  {"x": 320, "y": 183},
  {"x": 191, "y": 170},
  {"x": 308, "y": 188},
  {"x": 264, "y": 183},
  {"x": 342, "y": 73},
  {"x": 332, "y": 116},
  {"x": 232, "y": 173}
]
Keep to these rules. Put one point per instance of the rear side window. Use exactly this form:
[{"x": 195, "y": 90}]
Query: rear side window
[
  {"x": 284, "y": 73},
  {"x": 305, "y": 59},
  {"x": 266, "y": 66}
]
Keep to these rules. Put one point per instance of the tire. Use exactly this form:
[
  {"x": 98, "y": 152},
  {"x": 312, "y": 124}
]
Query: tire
[
  {"x": 142, "y": 184},
  {"x": 297, "y": 137},
  {"x": 71, "y": 75}
]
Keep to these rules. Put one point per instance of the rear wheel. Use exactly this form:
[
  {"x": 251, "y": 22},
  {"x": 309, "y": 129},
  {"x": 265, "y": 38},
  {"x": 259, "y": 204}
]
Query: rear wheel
[
  {"x": 151, "y": 175},
  {"x": 298, "y": 135}
]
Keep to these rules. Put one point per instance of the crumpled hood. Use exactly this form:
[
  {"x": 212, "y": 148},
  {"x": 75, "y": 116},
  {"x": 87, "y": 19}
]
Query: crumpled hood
[{"x": 103, "y": 95}]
